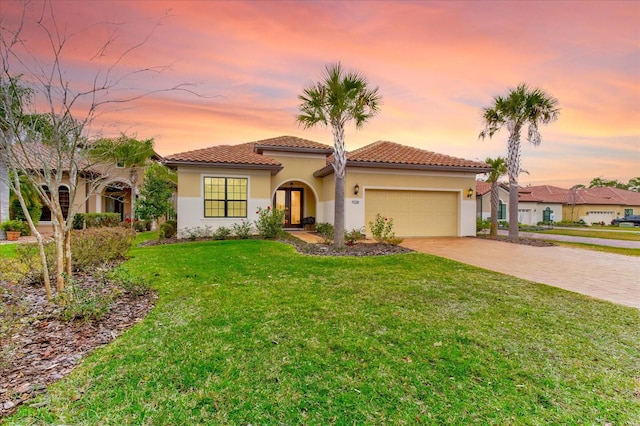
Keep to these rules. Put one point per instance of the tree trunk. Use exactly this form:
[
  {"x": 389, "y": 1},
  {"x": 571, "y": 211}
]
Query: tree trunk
[
  {"x": 495, "y": 205},
  {"x": 4, "y": 190},
  {"x": 38, "y": 235},
  {"x": 339, "y": 169},
  {"x": 67, "y": 252},
  {"x": 513, "y": 170}
]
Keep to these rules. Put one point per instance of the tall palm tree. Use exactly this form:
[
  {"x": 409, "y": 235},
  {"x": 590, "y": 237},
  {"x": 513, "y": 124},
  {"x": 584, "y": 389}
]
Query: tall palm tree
[
  {"x": 498, "y": 169},
  {"x": 337, "y": 99},
  {"x": 522, "y": 106}
]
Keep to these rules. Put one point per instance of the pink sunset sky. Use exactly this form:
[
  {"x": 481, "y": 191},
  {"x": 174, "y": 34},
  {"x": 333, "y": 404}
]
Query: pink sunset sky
[{"x": 436, "y": 65}]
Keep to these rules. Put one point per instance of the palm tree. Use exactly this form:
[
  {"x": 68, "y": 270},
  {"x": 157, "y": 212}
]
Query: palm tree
[
  {"x": 130, "y": 153},
  {"x": 498, "y": 169},
  {"x": 522, "y": 106},
  {"x": 337, "y": 99}
]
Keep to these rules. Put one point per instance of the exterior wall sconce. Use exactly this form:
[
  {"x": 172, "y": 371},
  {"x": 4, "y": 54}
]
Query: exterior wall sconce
[
  {"x": 356, "y": 189},
  {"x": 469, "y": 192}
]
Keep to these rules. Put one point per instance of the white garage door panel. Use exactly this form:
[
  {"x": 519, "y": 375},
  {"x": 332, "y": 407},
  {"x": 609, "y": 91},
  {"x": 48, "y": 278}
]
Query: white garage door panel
[{"x": 414, "y": 213}]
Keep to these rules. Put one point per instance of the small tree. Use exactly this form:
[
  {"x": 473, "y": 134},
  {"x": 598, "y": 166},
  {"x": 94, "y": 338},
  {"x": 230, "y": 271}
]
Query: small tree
[
  {"x": 498, "y": 169},
  {"x": 156, "y": 192}
]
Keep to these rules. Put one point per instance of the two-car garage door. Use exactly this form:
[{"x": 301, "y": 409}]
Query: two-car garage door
[{"x": 414, "y": 213}]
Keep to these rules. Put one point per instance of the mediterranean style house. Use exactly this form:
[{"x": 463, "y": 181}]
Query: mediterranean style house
[
  {"x": 426, "y": 193},
  {"x": 546, "y": 203}
]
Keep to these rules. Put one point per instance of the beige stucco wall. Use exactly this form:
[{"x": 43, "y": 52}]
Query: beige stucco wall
[
  {"x": 587, "y": 213},
  {"x": 483, "y": 204}
]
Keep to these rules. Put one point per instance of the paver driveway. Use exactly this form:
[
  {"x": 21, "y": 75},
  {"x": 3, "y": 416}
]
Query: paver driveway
[{"x": 605, "y": 276}]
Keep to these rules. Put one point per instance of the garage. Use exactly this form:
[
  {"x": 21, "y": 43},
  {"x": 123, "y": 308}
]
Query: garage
[{"x": 415, "y": 213}]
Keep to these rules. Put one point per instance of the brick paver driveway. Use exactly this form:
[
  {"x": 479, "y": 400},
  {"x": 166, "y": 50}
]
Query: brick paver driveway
[{"x": 605, "y": 276}]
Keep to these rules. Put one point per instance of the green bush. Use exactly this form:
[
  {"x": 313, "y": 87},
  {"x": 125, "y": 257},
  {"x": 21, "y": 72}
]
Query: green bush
[
  {"x": 353, "y": 236},
  {"x": 269, "y": 223},
  {"x": 482, "y": 224},
  {"x": 242, "y": 230},
  {"x": 16, "y": 226},
  {"x": 83, "y": 304},
  {"x": 166, "y": 231},
  {"x": 222, "y": 233},
  {"x": 96, "y": 220},
  {"x": 142, "y": 225},
  {"x": 34, "y": 209},
  {"x": 325, "y": 230},
  {"x": 91, "y": 248},
  {"x": 382, "y": 228},
  {"x": 172, "y": 223}
]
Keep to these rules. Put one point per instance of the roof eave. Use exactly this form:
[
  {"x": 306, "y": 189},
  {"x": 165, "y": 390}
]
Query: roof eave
[
  {"x": 175, "y": 163},
  {"x": 327, "y": 170}
]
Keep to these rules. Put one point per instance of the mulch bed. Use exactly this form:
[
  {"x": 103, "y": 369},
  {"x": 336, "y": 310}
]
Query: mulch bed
[
  {"x": 524, "y": 241},
  {"x": 42, "y": 348}
]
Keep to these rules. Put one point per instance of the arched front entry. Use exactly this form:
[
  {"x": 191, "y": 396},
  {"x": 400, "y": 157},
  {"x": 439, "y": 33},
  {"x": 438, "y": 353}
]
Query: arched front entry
[
  {"x": 115, "y": 197},
  {"x": 298, "y": 201}
]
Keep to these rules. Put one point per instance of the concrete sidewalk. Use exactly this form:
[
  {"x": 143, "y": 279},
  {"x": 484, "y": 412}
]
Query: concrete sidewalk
[{"x": 606, "y": 276}]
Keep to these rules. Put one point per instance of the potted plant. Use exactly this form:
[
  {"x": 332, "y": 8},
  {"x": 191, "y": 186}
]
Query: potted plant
[{"x": 13, "y": 229}]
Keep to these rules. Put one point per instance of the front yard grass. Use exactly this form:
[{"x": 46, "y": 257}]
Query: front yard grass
[
  {"x": 251, "y": 332},
  {"x": 609, "y": 235}
]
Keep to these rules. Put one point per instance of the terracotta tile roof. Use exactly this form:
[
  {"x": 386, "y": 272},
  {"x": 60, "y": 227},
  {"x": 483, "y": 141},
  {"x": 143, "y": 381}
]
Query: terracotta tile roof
[
  {"x": 598, "y": 196},
  {"x": 247, "y": 154},
  {"x": 243, "y": 154},
  {"x": 394, "y": 155},
  {"x": 483, "y": 187},
  {"x": 36, "y": 156},
  {"x": 291, "y": 143}
]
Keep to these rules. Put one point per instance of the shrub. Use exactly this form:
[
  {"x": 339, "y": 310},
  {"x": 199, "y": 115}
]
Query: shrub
[
  {"x": 382, "y": 228},
  {"x": 242, "y": 230},
  {"x": 222, "y": 233},
  {"x": 269, "y": 223},
  {"x": 83, "y": 304},
  {"x": 95, "y": 220},
  {"x": 15, "y": 225},
  {"x": 34, "y": 207},
  {"x": 325, "y": 230},
  {"x": 91, "y": 248},
  {"x": 172, "y": 223},
  {"x": 482, "y": 224},
  {"x": 353, "y": 236},
  {"x": 142, "y": 225},
  {"x": 166, "y": 231}
]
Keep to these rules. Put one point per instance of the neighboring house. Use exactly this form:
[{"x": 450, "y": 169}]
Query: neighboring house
[
  {"x": 534, "y": 205},
  {"x": 483, "y": 200},
  {"x": 545, "y": 203},
  {"x": 600, "y": 205},
  {"x": 111, "y": 192},
  {"x": 426, "y": 194}
]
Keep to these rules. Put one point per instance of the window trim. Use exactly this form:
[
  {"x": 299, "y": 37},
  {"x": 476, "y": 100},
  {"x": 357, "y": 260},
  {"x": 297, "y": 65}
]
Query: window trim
[{"x": 226, "y": 199}]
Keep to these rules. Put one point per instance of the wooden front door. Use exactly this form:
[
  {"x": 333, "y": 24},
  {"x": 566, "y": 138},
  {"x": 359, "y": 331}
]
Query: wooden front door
[{"x": 290, "y": 200}]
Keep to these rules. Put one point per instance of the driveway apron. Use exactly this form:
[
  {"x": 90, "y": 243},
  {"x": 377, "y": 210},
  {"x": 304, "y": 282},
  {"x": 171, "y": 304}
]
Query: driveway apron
[{"x": 606, "y": 276}]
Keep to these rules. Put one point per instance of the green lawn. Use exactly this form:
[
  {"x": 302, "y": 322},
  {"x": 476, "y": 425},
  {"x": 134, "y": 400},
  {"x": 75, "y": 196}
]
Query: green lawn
[
  {"x": 7, "y": 250},
  {"x": 250, "y": 332},
  {"x": 609, "y": 235}
]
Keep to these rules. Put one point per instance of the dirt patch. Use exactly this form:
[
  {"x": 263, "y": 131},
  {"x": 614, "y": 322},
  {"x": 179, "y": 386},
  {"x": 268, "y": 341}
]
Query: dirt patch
[{"x": 41, "y": 348}]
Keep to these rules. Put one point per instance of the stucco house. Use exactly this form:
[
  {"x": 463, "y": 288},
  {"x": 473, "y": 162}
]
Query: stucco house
[
  {"x": 101, "y": 188},
  {"x": 534, "y": 204},
  {"x": 426, "y": 193},
  {"x": 599, "y": 205}
]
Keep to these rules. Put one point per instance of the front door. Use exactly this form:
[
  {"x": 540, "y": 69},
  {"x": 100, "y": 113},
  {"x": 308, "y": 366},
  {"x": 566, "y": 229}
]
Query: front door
[{"x": 290, "y": 200}]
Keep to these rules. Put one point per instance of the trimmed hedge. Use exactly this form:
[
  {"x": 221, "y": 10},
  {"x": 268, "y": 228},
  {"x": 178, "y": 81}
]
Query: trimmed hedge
[{"x": 96, "y": 220}]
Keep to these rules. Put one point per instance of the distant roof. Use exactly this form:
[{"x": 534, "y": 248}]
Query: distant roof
[
  {"x": 291, "y": 143},
  {"x": 554, "y": 194},
  {"x": 393, "y": 155}
]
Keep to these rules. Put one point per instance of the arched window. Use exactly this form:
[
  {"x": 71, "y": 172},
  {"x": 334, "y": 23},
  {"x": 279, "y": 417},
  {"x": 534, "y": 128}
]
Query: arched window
[
  {"x": 63, "y": 196},
  {"x": 502, "y": 210},
  {"x": 46, "y": 212},
  {"x": 546, "y": 214}
]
